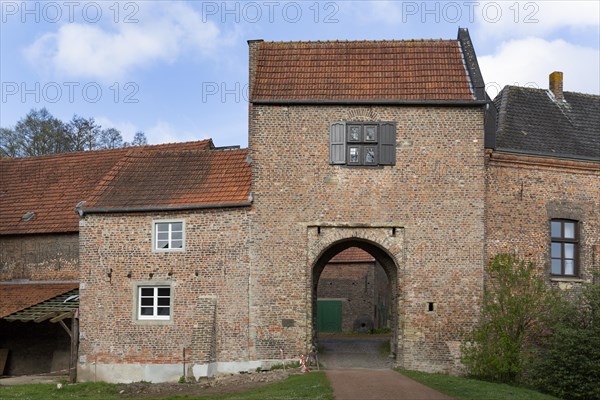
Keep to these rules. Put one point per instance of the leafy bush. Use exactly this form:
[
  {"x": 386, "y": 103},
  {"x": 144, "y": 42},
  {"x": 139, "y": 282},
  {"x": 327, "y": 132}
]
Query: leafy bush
[
  {"x": 516, "y": 309},
  {"x": 567, "y": 364}
]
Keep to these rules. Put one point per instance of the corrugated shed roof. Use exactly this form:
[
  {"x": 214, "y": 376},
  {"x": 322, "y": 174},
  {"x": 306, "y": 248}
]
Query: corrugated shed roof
[
  {"x": 531, "y": 120},
  {"x": 361, "y": 71},
  {"x": 15, "y": 297}
]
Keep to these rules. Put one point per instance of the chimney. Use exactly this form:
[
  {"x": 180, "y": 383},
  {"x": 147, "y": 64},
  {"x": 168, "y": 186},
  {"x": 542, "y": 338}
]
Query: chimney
[{"x": 556, "y": 85}]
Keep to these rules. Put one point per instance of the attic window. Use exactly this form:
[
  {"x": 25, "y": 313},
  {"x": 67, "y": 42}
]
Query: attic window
[
  {"x": 29, "y": 215},
  {"x": 365, "y": 143}
]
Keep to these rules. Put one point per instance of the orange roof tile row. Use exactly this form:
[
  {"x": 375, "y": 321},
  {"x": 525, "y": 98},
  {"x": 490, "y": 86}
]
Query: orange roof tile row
[
  {"x": 18, "y": 296},
  {"x": 175, "y": 178},
  {"x": 361, "y": 70},
  {"x": 353, "y": 254},
  {"x": 190, "y": 173}
]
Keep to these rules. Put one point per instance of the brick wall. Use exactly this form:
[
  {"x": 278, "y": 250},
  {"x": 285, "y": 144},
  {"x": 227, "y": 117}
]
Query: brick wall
[
  {"x": 524, "y": 193},
  {"x": 209, "y": 289},
  {"x": 434, "y": 194},
  {"x": 359, "y": 286},
  {"x": 39, "y": 257},
  {"x": 354, "y": 283}
]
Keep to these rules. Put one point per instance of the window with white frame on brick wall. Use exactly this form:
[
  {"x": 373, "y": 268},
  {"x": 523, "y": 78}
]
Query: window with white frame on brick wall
[
  {"x": 153, "y": 301},
  {"x": 168, "y": 235}
]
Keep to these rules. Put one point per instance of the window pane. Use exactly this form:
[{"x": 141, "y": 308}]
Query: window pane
[
  {"x": 556, "y": 267},
  {"x": 163, "y": 311},
  {"x": 370, "y": 133},
  {"x": 354, "y": 155},
  {"x": 176, "y": 244},
  {"x": 177, "y": 235},
  {"x": 147, "y": 291},
  {"x": 164, "y": 301},
  {"x": 369, "y": 155},
  {"x": 162, "y": 244},
  {"x": 569, "y": 230},
  {"x": 164, "y": 291},
  {"x": 556, "y": 250},
  {"x": 177, "y": 226},
  {"x": 555, "y": 229},
  {"x": 569, "y": 250},
  {"x": 162, "y": 236},
  {"x": 163, "y": 227},
  {"x": 569, "y": 267},
  {"x": 147, "y": 311},
  {"x": 147, "y": 301},
  {"x": 354, "y": 133}
]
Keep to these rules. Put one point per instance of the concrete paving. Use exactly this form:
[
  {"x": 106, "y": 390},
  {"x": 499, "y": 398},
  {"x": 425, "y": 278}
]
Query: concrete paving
[{"x": 373, "y": 384}]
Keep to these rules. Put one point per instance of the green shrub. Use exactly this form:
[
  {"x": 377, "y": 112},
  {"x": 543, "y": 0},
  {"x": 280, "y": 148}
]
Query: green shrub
[
  {"x": 516, "y": 309},
  {"x": 567, "y": 364}
]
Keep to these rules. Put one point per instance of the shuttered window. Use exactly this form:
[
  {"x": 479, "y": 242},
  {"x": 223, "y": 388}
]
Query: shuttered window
[{"x": 366, "y": 144}]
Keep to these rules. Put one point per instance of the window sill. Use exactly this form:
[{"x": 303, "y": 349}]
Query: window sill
[
  {"x": 571, "y": 279},
  {"x": 153, "y": 321}
]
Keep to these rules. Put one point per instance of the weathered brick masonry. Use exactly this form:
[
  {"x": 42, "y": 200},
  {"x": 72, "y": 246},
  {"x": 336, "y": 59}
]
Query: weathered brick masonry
[
  {"x": 209, "y": 282},
  {"x": 39, "y": 257},
  {"x": 524, "y": 193},
  {"x": 435, "y": 193}
]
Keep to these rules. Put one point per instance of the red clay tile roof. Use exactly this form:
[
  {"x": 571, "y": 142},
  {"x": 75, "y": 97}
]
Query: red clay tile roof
[
  {"x": 153, "y": 178},
  {"x": 352, "y": 254},
  {"x": 413, "y": 70},
  {"x": 161, "y": 175},
  {"x": 18, "y": 296},
  {"x": 51, "y": 186}
]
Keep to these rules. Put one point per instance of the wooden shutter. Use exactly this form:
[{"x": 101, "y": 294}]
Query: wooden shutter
[
  {"x": 387, "y": 144},
  {"x": 337, "y": 143}
]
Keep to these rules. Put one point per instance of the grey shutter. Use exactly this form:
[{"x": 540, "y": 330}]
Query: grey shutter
[
  {"x": 337, "y": 143},
  {"x": 387, "y": 144}
]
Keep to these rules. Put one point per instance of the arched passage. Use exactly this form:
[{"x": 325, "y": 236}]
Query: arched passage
[{"x": 383, "y": 258}]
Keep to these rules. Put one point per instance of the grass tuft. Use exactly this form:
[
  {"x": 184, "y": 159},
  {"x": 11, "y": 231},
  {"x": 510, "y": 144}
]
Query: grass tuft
[{"x": 462, "y": 388}]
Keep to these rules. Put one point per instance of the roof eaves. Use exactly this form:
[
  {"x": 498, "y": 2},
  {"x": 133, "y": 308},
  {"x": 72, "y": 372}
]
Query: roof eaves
[
  {"x": 548, "y": 155},
  {"x": 448, "y": 103},
  {"x": 109, "y": 210}
]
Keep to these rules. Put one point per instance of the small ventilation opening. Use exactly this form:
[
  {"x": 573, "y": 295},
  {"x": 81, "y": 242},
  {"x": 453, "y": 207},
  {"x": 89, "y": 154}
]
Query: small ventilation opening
[{"x": 430, "y": 306}]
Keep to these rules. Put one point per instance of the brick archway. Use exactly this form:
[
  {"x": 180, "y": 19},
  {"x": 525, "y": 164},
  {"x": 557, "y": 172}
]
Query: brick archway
[{"x": 384, "y": 243}]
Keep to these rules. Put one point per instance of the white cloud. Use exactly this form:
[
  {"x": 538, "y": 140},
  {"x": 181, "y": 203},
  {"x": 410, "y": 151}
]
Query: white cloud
[
  {"x": 127, "y": 129},
  {"x": 164, "y": 132},
  {"x": 528, "y": 62},
  {"x": 513, "y": 19},
  {"x": 165, "y": 31}
]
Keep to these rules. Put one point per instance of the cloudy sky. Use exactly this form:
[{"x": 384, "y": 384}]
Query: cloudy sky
[{"x": 179, "y": 70}]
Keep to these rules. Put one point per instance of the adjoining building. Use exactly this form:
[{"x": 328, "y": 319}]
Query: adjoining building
[{"x": 207, "y": 260}]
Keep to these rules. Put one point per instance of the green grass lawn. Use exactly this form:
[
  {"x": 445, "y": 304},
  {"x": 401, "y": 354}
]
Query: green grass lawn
[
  {"x": 306, "y": 386},
  {"x": 471, "y": 389}
]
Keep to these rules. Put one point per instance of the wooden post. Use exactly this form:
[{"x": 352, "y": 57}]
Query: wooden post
[{"x": 74, "y": 347}]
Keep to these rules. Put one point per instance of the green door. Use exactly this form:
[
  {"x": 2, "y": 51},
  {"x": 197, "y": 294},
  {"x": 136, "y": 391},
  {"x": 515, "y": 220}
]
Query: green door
[{"x": 329, "y": 315}]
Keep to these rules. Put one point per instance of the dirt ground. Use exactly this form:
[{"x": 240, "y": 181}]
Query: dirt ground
[{"x": 216, "y": 385}]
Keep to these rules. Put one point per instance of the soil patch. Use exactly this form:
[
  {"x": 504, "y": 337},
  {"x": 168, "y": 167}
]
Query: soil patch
[{"x": 215, "y": 385}]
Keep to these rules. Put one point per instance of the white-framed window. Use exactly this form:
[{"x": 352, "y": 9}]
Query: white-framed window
[
  {"x": 168, "y": 235},
  {"x": 154, "y": 302}
]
